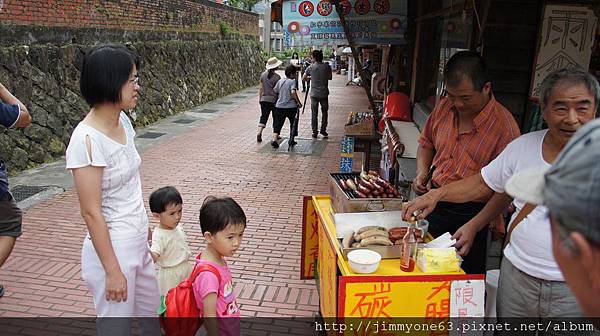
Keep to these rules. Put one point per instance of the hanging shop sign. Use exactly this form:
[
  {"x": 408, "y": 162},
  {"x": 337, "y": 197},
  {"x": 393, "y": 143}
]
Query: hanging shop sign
[
  {"x": 565, "y": 40},
  {"x": 317, "y": 23}
]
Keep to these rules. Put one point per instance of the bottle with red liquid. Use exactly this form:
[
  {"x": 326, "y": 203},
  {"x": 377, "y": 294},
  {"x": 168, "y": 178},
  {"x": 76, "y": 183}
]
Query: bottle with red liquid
[{"x": 409, "y": 248}]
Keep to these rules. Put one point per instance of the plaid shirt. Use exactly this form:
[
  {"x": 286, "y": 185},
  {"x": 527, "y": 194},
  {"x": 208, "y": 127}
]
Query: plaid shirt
[{"x": 461, "y": 155}]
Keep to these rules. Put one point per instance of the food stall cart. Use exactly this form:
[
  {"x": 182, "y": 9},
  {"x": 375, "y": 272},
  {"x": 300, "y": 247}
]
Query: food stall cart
[{"x": 389, "y": 292}]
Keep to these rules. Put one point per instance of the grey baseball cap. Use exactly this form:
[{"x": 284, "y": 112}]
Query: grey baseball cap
[{"x": 570, "y": 188}]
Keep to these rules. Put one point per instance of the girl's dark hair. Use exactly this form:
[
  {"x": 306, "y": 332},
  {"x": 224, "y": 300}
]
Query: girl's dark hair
[
  {"x": 271, "y": 73},
  {"x": 106, "y": 68},
  {"x": 218, "y": 212},
  {"x": 160, "y": 198},
  {"x": 295, "y": 55},
  {"x": 290, "y": 70}
]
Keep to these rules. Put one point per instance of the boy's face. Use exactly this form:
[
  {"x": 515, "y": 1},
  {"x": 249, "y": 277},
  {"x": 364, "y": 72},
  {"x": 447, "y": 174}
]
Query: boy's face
[
  {"x": 227, "y": 241},
  {"x": 169, "y": 219}
]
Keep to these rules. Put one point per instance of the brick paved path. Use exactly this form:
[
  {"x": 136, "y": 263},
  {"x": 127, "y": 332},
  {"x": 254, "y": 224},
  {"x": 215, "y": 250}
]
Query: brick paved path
[{"x": 219, "y": 157}]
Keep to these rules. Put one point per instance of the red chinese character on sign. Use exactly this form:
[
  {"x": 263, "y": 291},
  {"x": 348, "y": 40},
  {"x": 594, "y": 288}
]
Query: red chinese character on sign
[
  {"x": 372, "y": 304},
  {"x": 436, "y": 290},
  {"x": 467, "y": 296},
  {"x": 435, "y": 311},
  {"x": 314, "y": 222}
]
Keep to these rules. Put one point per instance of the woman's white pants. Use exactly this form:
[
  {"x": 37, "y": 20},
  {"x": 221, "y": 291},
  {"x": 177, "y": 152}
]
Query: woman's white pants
[{"x": 143, "y": 298}]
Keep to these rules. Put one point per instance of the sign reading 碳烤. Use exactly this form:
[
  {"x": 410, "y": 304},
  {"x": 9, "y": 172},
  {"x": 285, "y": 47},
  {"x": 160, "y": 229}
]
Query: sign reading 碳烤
[{"x": 317, "y": 23}]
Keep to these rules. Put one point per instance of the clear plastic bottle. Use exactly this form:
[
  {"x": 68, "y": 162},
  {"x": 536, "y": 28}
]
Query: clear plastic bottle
[{"x": 409, "y": 248}]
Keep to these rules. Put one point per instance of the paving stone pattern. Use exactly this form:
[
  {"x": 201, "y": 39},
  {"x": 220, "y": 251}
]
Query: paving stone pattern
[{"x": 216, "y": 157}]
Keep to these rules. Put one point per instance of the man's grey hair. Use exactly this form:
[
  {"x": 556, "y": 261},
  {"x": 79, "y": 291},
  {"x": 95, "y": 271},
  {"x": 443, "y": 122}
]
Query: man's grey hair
[{"x": 572, "y": 76}]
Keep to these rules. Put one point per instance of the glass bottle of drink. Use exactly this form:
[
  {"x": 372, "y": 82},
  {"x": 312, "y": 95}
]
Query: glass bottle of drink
[{"x": 409, "y": 248}]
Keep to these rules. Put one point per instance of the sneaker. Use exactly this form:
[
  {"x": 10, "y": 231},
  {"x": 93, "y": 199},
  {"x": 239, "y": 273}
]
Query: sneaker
[
  {"x": 324, "y": 134},
  {"x": 314, "y": 135},
  {"x": 292, "y": 143},
  {"x": 274, "y": 144},
  {"x": 259, "y": 137}
]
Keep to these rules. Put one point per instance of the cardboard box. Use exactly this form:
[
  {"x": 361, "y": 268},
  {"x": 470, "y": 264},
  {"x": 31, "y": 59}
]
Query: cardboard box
[
  {"x": 361, "y": 129},
  {"x": 343, "y": 202}
]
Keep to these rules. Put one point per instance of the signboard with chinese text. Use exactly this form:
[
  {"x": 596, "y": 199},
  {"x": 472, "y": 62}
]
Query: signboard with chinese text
[
  {"x": 347, "y": 154},
  {"x": 317, "y": 23},
  {"x": 566, "y": 40},
  {"x": 466, "y": 298},
  {"x": 310, "y": 240},
  {"x": 327, "y": 264},
  {"x": 391, "y": 299}
]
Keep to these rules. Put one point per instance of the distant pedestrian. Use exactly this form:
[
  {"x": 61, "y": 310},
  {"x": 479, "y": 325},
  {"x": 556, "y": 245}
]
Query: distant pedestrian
[
  {"x": 266, "y": 96},
  {"x": 222, "y": 222},
  {"x": 305, "y": 64},
  {"x": 287, "y": 104},
  {"x": 319, "y": 75},
  {"x": 295, "y": 61},
  {"x": 169, "y": 247},
  {"x": 116, "y": 264},
  {"x": 12, "y": 114}
]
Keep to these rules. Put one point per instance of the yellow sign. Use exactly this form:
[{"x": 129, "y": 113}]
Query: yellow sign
[
  {"x": 327, "y": 276},
  {"x": 310, "y": 240},
  {"x": 394, "y": 299}
]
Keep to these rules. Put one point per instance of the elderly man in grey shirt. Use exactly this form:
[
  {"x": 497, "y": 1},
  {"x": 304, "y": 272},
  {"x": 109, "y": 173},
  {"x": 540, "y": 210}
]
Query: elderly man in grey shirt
[{"x": 319, "y": 75}]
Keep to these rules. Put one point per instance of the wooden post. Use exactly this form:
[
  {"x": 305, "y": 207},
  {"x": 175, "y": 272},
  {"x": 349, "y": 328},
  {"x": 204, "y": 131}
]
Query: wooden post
[{"x": 362, "y": 73}]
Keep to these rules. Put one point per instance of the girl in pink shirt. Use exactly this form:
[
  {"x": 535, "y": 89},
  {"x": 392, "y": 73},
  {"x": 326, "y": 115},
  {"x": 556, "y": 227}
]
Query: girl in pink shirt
[{"x": 222, "y": 222}]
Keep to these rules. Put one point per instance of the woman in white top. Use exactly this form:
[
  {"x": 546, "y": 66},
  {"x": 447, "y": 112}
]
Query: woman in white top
[{"x": 116, "y": 264}]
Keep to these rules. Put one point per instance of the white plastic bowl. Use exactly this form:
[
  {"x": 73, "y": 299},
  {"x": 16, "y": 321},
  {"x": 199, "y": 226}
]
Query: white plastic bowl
[{"x": 364, "y": 261}]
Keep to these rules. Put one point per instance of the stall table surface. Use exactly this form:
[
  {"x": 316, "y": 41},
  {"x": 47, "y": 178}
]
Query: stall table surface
[{"x": 389, "y": 291}]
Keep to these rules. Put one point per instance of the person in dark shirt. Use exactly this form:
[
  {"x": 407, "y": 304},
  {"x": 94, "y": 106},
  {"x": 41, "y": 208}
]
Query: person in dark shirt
[{"x": 12, "y": 114}]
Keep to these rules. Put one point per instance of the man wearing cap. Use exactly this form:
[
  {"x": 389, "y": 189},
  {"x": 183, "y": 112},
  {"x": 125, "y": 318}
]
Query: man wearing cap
[
  {"x": 531, "y": 284},
  {"x": 319, "y": 75},
  {"x": 570, "y": 189},
  {"x": 12, "y": 114},
  {"x": 466, "y": 130}
]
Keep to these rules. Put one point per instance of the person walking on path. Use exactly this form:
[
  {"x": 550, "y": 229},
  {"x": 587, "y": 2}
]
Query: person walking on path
[
  {"x": 266, "y": 96},
  {"x": 116, "y": 263},
  {"x": 296, "y": 61},
  {"x": 319, "y": 75},
  {"x": 287, "y": 105},
  {"x": 12, "y": 114},
  {"x": 466, "y": 131},
  {"x": 305, "y": 62}
]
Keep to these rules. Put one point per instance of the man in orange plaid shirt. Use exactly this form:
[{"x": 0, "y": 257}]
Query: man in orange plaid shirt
[{"x": 466, "y": 130}]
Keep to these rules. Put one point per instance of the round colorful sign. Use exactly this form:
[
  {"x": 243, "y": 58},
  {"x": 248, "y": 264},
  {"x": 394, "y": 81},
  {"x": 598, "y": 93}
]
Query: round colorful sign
[
  {"x": 294, "y": 27},
  {"x": 324, "y": 8},
  {"x": 362, "y": 7},
  {"x": 346, "y": 7},
  {"x": 305, "y": 30},
  {"x": 381, "y": 6},
  {"x": 306, "y": 8}
]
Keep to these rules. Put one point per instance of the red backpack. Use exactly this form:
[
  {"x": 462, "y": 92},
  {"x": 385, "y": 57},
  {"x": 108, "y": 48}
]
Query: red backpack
[{"x": 179, "y": 315}]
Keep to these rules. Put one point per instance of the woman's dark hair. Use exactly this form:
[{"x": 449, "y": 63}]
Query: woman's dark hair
[
  {"x": 160, "y": 198},
  {"x": 290, "y": 71},
  {"x": 295, "y": 55},
  {"x": 271, "y": 73},
  {"x": 218, "y": 212},
  {"x": 466, "y": 64},
  {"x": 106, "y": 68}
]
